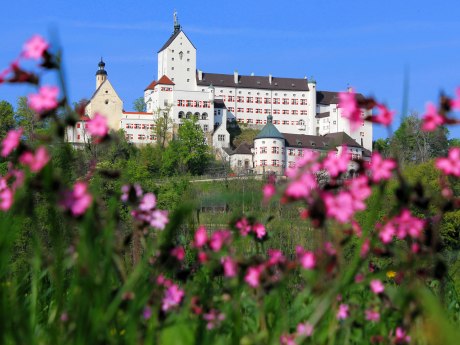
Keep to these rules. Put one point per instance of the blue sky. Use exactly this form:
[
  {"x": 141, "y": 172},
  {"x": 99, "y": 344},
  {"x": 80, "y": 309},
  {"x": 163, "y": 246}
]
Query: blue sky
[{"x": 366, "y": 44}]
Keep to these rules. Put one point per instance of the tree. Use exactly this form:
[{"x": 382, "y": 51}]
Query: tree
[
  {"x": 382, "y": 146},
  {"x": 27, "y": 119},
  {"x": 163, "y": 125},
  {"x": 6, "y": 118},
  {"x": 139, "y": 104},
  {"x": 413, "y": 145}
]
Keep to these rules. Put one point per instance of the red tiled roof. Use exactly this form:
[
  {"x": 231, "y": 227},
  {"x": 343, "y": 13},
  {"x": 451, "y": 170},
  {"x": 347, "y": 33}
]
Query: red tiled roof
[
  {"x": 164, "y": 80},
  {"x": 151, "y": 85}
]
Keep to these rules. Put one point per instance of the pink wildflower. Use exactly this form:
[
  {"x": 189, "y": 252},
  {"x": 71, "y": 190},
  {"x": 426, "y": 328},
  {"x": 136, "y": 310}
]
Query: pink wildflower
[
  {"x": 431, "y": 119},
  {"x": 202, "y": 257},
  {"x": 78, "y": 200},
  {"x": 359, "y": 278},
  {"x": 288, "y": 339},
  {"x": 230, "y": 267},
  {"x": 372, "y": 315},
  {"x": 381, "y": 168},
  {"x": 97, "y": 126},
  {"x": 201, "y": 237},
  {"x": 36, "y": 161},
  {"x": 401, "y": 337},
  {"x": 340, "y": 206},
  {"x": 451, "y": 164},
  {"x": 214, "y": 318},
  {"x": 148, "y": 202},
  {"x": 408, "y": 225},
  {"x": 306, "y": 258},
  {"x": 45, "y": 100},
  {"x": 343, "y": 312},
  {"x": 11, "y": 141},
  {"x": 384, "y": 116},
  {"x": 178, "y": 253},
  {"x": 329, "y": 248},
  {"x": 244, "y": 226},
  {"x": 359, "y": 190},
  {"x": 387, "y": 232},
  {"x": 455, "y": 103},
  {"x": 275, "y": 257},
  {"x": 218, "y": 238},
  {"x": 35, "y": 47},
  {"x": 159, "y": 219},
  {"x": 147, "y": 313},
  {"x": 172, "y": 298},
  {"x": 253, "y": 275},
  {"x": 6, "y": 195},
  {"x": 350, "y": 109},
  {"x": 305, "y": 329},
  {"x": 301, "y": 188},
  {"x": 335, "y": 163},
  {"x": 259, "y": 230},
  {"x": 365, "y": 248},
  {"x": 377, "y": 286},
  {"x": 268, "y": 190}
]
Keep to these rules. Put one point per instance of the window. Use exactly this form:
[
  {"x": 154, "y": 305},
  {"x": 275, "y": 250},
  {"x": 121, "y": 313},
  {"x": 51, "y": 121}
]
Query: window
[
  {"x": 181, "y": 103},
  {"x": 285, "y": 112},
  {"x": 263, "y": 162},
  {"x": 266, "y": 111},
  {"x": 361, "y": 133},
  {"x": 189, "y": 103},
  {"x": 205, "y": 128},
  {"x": 231, "y": 98},
  {"x": 240, "y": 163},
  {"x": 181, "y": 114},
  {"x": 258, "y": 111},
  {"x": 291, "y": 164},
  {"x": 303, "y": 101},
  {"x": 206, "y": 104},
  {"x": 240, "y": 99},
  {"x": 153, "y": 137},
  {"x": 140, "y": 136},
  {"x": 78, "y": 137},
  {"x": 263, "y": 149},
  {"x": 204, "y": 116},
  {"x": 286, "y": 101},
  {"x": 240, "y": 110},
  {"x": 249, "y": 110},
  {"x": 221, "y": 137},
  {"x": 285, "y": 122},
  {"x": 275, "y": 149},
  {"x": 259, "y": 122},
  {"x": 276, "y": 101},
  {"x": 291, "y": 152},
  {"x": 303, "y": 112},
  {"x": 294, "y": 101},
  {"x": 249, "y": 99},
  {"x": 267, "y": 101},
  {"x": 334, "y": 110},
  {"x": 276, "y": 112},
  {"x": 126, "y": 126},
  {"x": 249, "y": 121},
  {"x": 334, "y": 122},
  {"x": 300, "y": 152},
  {"x": 172, "y": 68},
  {"x": 294, "y": 112},
  {"x": 275, "y": 162},
  {"x": 231, "y": 109}
]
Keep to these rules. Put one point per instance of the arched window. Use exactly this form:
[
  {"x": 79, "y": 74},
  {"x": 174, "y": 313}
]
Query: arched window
[
  {"x": 181, "y": 55},
  {"x": 204, "y": 116},
  {"x": 301, "y": 123},
  {"x": 181, "y": 114},
  {"x": 197, "y": 115},
  {"x": 189, "y": 115}
]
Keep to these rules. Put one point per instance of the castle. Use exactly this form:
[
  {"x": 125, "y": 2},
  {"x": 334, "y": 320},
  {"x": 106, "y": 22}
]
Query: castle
[{"x": 291, "y": 113}]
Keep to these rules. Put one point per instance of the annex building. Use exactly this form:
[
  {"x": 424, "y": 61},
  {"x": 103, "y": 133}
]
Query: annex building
[{"x": 290, "y": 111}]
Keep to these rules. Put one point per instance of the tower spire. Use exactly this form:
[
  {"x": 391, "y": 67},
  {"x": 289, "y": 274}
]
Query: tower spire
[{"x": 176, "y": 22}]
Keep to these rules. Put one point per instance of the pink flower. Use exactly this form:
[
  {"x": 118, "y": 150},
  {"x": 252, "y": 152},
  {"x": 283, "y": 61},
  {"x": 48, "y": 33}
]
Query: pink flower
[
  {"x": 78, "y": 200},
  {"x": 329, "y": 248},
  {"x": 202, "y": 257},
  {"x": 275, "y": 257},
  {"x": 359, "y": 190},
  {"x": 218, "y": 239},
  {"x": 350, "y": 109},
  {"x": 377, "y": 286},
  {"x": 387, "y": 233},
  {"x": 269, "y": 190},
  {"x": 35, "y": 162},
  {"x": 372, "y": 315},
  {"x": 301, "y": 188},
  {"x": 159, "y": 219},
  {"x": 336, "y": 164},
  {"x": 230, "y": 267},
  {"x": 35, "y": 47},
  {"x": 97, "y": 126},
  {"x": 401, "y": 337},
  {"x": 244, "y": 226},
  {"x": 45, "y": 100},
  {"x": 306, "y": 258},
  {"x": 172, "y": 298},
  {"x": 149, "y": 201},
  {"x": 305, "y": 329},
  {"x": 431, "y": 119},
  {"x": 253, "y": 275},
  {"x": 408, "y": 225},
  {"x": 11, "y": 141},
  {"x": 340, "y": 206},
  {"x": 214, "y": 318},
  {"x": 343, "y": 312},
  {"x": 451, "y": 164},
  {"x": 455, "y": 103},
  {"x": 381, "y": 169},
  {"x": 365, "y": 248},
  {"x": 178, "y": 253},
  {"x": 201, "y": 237},
  {"x": 259, "y": 230},
  {"x": 384, "y": 116},
  {"x": 288, "y": 339},
  {"x": 359, "y": 278},
  {"x": 6, "y": 195}
]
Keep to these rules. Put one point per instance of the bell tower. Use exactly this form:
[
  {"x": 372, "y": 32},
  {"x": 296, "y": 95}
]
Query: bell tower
[{"x": 101, "y": 74}]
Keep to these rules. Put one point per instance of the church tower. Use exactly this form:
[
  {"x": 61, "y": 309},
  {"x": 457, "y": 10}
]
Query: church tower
[
  {"x": 177, "y": 59},
  {"x": 101, "y": 74}
]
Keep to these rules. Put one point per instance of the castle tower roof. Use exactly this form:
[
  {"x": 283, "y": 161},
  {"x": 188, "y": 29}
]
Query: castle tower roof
[
  {"x": 269, "y": 130},
  {"x": 101, "y": 70}
]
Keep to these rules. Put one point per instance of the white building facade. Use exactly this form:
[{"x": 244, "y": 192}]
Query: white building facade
[{"x": 182, "y": 91}]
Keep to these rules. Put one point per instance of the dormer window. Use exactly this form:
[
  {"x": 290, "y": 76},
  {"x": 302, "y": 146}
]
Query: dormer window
[{"x": 181, "y": 55}]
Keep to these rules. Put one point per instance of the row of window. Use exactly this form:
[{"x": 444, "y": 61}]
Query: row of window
[
  {"x": 274, "y": 163},
  {"x": 268, "y": 111},
  {"x": 140, "y": 137},
  {"x": 260, "y": 100},
  {"x": 275, "y": 122},
  {"x": 188, "y": 115},
  {"x": 276, "y": 150},
  {"x": 139, "y": 126},
  {"x": 195, "y": 104}
]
